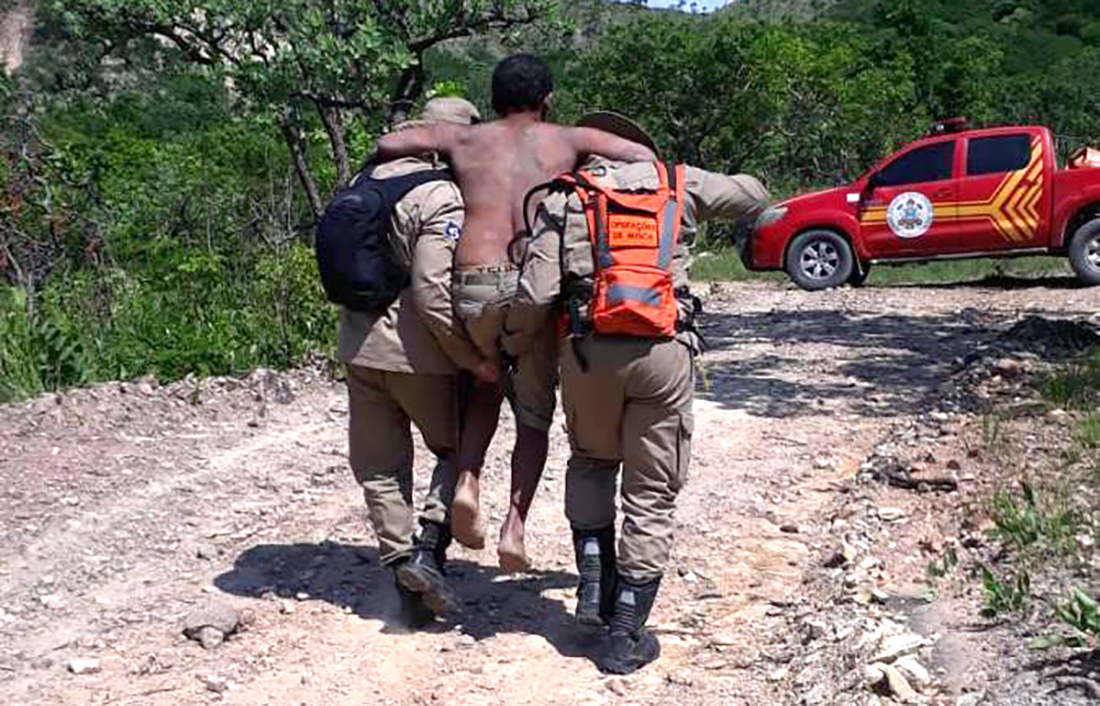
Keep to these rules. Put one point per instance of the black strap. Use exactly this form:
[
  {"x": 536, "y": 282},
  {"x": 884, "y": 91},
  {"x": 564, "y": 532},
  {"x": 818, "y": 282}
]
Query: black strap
[
  {"x": 670, "y": 167},
  {"x": 395, "y": 188},
  {"x": 527, "y": 202}
]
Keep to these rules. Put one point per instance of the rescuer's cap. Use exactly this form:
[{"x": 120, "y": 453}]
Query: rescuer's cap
[{"x": 620, "y": 125}]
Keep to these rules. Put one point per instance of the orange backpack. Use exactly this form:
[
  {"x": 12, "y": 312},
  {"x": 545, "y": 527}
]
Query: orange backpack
[{"x": 633, "y": 235}]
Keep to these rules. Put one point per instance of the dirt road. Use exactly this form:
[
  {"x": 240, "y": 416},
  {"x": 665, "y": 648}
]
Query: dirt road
[{"x": 125, "y": 506}]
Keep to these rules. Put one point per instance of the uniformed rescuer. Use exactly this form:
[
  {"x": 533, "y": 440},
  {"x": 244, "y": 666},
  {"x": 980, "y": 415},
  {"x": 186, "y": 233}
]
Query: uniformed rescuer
[
  {"x": 609, "y": 258},
  {"x": 402, "y": 366}
]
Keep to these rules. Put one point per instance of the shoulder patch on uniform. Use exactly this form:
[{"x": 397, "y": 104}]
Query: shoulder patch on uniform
[{"x": 453, "y": 230}]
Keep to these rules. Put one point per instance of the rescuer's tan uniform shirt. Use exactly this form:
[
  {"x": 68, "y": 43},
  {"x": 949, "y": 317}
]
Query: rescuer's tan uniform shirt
[
  {"x": 402, "y": 367},
  {"x": 630, "y": 406},
  {"x": 417, "y": 333},
  {"x": 710, "y": 196}
]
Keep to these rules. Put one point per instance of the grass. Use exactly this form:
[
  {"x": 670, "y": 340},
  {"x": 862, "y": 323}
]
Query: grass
[
  {"x": 1088, "y": 434},
  {"x": 1041, "y": 527},
  {"x": 950, "y": 272},
  {"x": 1075, "y": 386},
  {"x": 724, "y": 265}
]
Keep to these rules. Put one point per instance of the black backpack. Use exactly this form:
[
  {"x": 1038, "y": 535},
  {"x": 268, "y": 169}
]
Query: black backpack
[{"x": 354, "y": 254}]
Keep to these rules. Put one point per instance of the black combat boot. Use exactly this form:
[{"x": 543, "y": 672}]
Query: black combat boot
[
  {"x": 423, "y": 575},
  {"x": 414, "y": 614},
  {"x": 631, "y": 645},
  {"x": 595, "y": 553}
]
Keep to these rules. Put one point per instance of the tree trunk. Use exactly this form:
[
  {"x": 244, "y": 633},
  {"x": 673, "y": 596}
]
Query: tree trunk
[
  {"x": 297, "y": 149},
  {"x": 334, "y": 126},
  {"x": 409, "y": 88}
]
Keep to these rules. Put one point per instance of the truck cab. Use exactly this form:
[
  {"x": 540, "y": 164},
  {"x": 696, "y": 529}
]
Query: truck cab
[{"x": 957, "y": 194}]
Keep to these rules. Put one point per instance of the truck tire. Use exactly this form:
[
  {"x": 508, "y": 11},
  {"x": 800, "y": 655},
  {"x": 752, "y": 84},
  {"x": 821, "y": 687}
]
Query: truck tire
[
  {"x": 1084, "y": 252},
  {"x": 820, "y": 259}
]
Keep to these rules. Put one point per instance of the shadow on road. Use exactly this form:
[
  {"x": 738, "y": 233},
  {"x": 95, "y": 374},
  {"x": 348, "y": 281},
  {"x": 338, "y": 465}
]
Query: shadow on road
[
  {"x": 878, "y": 363},
  {"x": 349, "y": 576},
  {"x": 882, "y": 364},
  {"x": 1002, "y": 282},
  {"x": 1076, "y": 673}
]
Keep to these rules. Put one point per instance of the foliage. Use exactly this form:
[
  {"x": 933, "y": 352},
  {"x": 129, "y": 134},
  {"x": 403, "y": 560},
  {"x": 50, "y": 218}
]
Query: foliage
[
  {"x": 940, "y": 568},
  {"x": 1011, "y": 595},
  {"x": 1026, "y": 524},
  {"x": 163, "y": 162},
  {"x": 331, "y": 60},
  {"x": 1076, "y": 385},
  {"x": 1080, "y": 613}
]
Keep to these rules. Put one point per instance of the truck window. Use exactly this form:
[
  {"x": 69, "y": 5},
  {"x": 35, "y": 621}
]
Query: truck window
[
  {"x": 931, "y": 163},
  {"x": 995, "y": 155}
]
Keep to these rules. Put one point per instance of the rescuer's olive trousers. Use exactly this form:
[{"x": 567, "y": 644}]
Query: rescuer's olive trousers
[
  {"x": 381, "y": 406},
  {"x": 631, "y": 408}
]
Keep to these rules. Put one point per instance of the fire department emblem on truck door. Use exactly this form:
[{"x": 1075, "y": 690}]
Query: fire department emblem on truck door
[{"x": 910, "y": 215}]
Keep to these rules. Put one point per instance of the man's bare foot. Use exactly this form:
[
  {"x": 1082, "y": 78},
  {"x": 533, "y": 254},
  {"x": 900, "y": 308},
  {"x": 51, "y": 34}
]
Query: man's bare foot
[
  {"x": 465, "y": 512},
  {"x": 511, "y": 550}
]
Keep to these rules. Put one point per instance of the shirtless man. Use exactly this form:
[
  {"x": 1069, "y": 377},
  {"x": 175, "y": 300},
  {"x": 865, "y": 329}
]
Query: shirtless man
[{"x": 496, "y": 164}]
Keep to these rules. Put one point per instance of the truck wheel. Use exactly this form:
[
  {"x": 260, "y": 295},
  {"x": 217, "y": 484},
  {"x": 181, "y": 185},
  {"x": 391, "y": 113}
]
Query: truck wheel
[
  {"x": 1084, "y": 252},
  {"x": 819, "y": 259},
  {"x": 860, "y": 272}
]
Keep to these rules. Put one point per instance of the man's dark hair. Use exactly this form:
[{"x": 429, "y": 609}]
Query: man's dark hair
[{"x": 521, "y": 83}]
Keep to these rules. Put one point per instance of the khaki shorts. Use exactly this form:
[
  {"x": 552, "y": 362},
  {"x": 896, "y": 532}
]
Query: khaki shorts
[
  {"x": 482, "y": 295},
  {"x": 534, "y": 382}
]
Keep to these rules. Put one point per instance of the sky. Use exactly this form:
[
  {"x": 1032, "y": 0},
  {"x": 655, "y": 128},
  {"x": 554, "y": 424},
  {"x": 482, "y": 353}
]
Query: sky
[{"x": 704, "y": 5}]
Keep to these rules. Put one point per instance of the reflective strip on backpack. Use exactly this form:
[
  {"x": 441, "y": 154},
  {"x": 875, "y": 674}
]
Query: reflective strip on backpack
[
  {"x": 668, "y": 234},
  {"x": 673, "y": 180},
  {"x": 621, "y": 293}
]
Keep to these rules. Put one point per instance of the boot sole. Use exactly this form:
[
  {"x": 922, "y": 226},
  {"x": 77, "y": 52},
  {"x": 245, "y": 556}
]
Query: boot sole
[
  {"x": 646, "y": 652},
  {"x": 435, "y": 594}
]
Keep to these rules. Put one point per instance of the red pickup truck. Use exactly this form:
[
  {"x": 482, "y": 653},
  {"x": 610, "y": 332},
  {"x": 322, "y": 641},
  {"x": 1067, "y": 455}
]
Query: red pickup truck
[{"x": 958, "y": 194}]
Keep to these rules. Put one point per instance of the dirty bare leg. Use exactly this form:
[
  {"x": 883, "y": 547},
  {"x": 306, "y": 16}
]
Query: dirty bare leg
[
  {"x": 480, "y": 424},
  {"x": 528, "y": 460}
]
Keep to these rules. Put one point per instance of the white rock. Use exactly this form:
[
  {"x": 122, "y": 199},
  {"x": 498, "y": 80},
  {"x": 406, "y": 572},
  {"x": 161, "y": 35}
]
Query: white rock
[
  {"x": 214, "y": 683},
  {"x": 874, "y": 673},
  {"x": 83, "y": 666},
  {"x": 914, "y": 671},
  {"x": 898, "y": 646},
  {"x": 779, "y": 674},
  {"x": 815, "y": 629},
  {"x": 891, "y": 514},
  {"x": 52, "y": 601},
  {"x": 900, "y": 686}
]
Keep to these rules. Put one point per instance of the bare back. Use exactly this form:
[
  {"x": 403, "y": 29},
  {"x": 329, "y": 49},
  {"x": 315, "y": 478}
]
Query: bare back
[{"x": 496, "y": 164}]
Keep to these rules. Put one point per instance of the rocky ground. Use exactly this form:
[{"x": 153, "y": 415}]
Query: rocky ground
[{"x": 131, "y": 512}]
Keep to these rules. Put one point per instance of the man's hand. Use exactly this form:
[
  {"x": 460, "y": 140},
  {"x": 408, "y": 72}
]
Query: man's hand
[{"x": 487, "y": 372}]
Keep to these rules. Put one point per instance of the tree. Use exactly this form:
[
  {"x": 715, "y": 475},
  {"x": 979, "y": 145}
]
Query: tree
[{"x": 332, "y": 60}]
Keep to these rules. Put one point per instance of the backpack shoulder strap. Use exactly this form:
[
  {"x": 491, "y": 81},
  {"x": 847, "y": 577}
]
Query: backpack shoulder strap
[
  {"x": 394, "y": 189},
  {"x": 673, "y": 175},
  {"x": 563, "y": 181}
]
